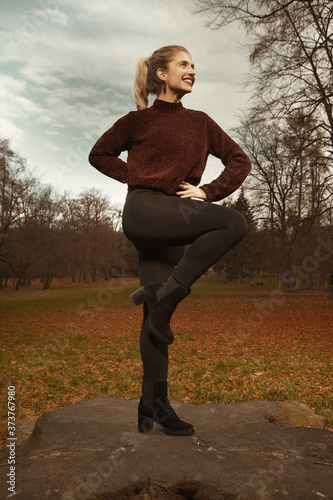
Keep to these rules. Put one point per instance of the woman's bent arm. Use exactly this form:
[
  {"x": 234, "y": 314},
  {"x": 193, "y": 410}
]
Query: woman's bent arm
[{"x": 104, "y": 154}]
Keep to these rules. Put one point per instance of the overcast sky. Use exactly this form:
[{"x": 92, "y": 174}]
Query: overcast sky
[{"x": 67, "y": 69}]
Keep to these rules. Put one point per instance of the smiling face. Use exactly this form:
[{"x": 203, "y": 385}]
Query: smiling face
[{"x": 179, "y": 77}]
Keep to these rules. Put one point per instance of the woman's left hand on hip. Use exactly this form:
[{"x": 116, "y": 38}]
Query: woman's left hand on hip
[{"x": 186, "y": 190}]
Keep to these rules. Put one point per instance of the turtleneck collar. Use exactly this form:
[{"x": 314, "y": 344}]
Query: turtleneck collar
[{"x": 167, "y": 107}]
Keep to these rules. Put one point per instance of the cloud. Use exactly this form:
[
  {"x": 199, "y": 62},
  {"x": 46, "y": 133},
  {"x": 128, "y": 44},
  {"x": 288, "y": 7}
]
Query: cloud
[
  {"x": 8, "y": 130},
  {"x": 16, "y": 109},
  {"x": 51, "y": 146},
  {"x": 40, "y": 75},
  {"x": 9, "y": 85},
  {"x": 54, "y": 16}
]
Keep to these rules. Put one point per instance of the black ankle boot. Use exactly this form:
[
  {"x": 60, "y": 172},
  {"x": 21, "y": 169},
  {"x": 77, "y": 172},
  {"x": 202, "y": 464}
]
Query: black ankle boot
[
  {"x": 162, "y": 299},
  {"x": 154, "y": 406}
]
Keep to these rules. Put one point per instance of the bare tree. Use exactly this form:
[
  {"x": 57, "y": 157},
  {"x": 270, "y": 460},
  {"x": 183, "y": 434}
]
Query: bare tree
[
  {"x": 93, "y": 227},
  {"x": 291, "y": 54},
  {"x": 35, "y": 238},
  {"x": 48, "y": 246},
  {"x": 292, "y": 184},
  {"x": 44, "y": 235},
  {"x": 288, "y": 127},
  {"x": 16, "y": 184}
]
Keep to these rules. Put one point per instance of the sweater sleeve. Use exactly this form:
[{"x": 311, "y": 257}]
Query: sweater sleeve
[
  {"x": 237, "y": 163},
  {"x": 104, "y": 154}
]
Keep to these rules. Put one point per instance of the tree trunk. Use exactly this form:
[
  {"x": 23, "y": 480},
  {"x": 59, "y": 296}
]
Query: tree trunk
[{"x": 47, "y": 281}]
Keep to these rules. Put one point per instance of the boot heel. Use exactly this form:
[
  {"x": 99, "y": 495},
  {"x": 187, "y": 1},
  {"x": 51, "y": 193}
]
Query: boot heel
[
  {"x": 145, "y": 424},
  {"x": 139, "y": 296}
]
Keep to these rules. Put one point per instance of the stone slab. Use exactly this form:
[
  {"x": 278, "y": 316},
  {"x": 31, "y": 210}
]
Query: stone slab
[{"x": 92, "y": 450}]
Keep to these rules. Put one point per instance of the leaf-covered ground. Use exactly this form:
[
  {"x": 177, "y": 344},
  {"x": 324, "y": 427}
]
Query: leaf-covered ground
[{"x": 81, "y": 341}]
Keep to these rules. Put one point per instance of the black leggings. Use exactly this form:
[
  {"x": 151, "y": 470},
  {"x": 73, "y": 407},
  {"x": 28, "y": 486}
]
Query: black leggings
[{"x": 160, "y": 226}]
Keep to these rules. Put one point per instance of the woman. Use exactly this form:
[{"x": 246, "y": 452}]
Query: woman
[{"x": 168, "y": 147}]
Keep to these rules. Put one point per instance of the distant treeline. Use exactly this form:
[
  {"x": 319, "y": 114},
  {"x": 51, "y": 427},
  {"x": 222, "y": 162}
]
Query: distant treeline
[{"x": 45, "y": 235}]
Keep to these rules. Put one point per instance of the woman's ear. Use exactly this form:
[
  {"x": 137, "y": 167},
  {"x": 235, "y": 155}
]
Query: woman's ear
[{"x": 160, "y": 73}]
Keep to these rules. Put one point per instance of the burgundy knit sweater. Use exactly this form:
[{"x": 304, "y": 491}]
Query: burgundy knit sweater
[{"x": 168, "y": 144}]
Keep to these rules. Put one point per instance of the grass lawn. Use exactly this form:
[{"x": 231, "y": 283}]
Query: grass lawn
[{"x": 232, "y": 343}]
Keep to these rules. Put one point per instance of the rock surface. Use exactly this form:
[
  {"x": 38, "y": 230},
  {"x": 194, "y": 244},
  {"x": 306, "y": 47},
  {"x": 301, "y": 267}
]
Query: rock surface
[
  {"x": 295, "y": 414},
  {"x": 92, "y": 451}
]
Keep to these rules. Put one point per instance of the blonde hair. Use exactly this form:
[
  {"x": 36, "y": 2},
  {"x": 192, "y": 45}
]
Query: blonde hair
[{"x": 146, "y": 79}]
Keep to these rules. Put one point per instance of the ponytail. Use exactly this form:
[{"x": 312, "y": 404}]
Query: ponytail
[
  {"x": 146, "y": 79},
  {"x": 140, "y": 84}
]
